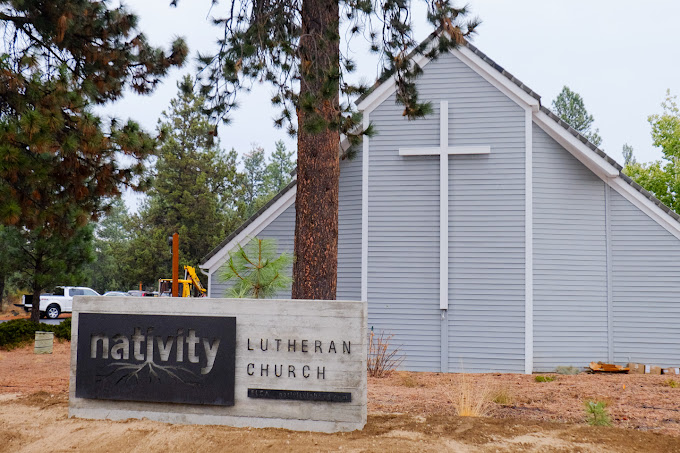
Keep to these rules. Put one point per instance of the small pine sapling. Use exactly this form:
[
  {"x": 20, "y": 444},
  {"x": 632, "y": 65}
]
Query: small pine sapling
[
  {"x": 256, "y": 270},
  {"x": 597, "y": 414}
]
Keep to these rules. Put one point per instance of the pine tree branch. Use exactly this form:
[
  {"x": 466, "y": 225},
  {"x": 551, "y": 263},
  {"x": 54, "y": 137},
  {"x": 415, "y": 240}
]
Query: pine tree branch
[{"x": 15, "y": 19}]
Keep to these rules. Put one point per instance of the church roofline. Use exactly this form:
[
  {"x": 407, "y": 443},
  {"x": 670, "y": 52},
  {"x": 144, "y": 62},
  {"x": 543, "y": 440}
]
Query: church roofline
[{"x": 384, "y": 82}]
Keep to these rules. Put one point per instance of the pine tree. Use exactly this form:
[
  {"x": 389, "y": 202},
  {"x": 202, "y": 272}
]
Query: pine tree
[
  {"x": 628, "y": 158},
  {"x": 256, "y": 270},
  {"x": 194, "y": 182},
  {"x": 111, "y": 244},
  {"x": 278, "y": 172},
  {"x": 295, "y": 46},
  {"x": 47, "y": 259},
  {"x": 254, "y": 177},
  {"x": 60, "y": 164},
  {"x": 569, "y": 106}
]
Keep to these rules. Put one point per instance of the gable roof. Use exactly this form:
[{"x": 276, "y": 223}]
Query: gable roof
[{"x": 606, "y": 162}]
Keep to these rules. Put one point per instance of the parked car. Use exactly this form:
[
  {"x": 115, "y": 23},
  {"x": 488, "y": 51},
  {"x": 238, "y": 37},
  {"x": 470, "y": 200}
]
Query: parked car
[
  {"x": 58, "y": 302},
  {"x": 136, "y": 293},
  {"x": 116, "y": 293}
]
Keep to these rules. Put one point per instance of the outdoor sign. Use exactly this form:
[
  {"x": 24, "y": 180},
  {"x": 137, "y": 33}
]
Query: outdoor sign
[
  {"x": 174, "y": 359},
  {"x": 292, "y": 364}
]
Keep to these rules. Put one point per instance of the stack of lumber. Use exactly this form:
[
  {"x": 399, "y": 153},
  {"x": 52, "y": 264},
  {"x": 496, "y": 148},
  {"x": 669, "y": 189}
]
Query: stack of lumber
[{"x": 607, "y": 368}]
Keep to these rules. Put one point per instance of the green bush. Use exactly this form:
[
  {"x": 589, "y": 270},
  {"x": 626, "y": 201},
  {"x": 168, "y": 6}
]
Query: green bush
[
  {"x": 541, "y": 378},
  {"x": 18, "y": 331},
  {"x": 596, "y": 413}
]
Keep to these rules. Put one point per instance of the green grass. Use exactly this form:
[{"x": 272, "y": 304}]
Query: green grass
[
  {"x": 596, "y": 413},
  {"x": 541, "y": 378}
]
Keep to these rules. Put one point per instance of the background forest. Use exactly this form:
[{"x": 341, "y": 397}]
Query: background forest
[{"x": 194, "y": 187}]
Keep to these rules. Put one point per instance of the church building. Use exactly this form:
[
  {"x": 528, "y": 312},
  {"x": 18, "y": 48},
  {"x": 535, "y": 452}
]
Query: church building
[{"x": 490, "y": 236}]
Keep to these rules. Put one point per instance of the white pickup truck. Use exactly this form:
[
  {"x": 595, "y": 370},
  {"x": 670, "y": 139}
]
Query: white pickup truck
[{"x": 58, "y": 302}]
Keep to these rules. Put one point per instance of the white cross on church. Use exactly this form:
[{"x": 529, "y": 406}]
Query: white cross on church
[{"x": 444, "y": 151}]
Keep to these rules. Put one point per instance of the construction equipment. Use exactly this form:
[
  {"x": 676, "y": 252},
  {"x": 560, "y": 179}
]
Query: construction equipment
[{"x": 190, "y": 286}]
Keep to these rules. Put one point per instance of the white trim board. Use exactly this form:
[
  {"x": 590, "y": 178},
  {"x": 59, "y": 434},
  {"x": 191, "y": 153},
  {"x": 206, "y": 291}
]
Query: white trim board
[
  {"x": 253, "y": 229},
  {"x": 645, "y": 205},
  {"x": 596, "y": 163},
  {"x": 364, "y": 211},
  {"x": 605, "y": 171},
  {"x": 495, "y": 78},
  {"x": 528, "y": 245}
]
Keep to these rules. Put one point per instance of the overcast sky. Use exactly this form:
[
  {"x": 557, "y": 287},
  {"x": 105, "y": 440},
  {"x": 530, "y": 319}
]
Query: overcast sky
[{"x": 621, "y": 56}]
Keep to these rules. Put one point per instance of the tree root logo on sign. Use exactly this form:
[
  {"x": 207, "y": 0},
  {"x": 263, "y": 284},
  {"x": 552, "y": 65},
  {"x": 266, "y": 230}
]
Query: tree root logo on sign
[{"x": 183, "y": 359}]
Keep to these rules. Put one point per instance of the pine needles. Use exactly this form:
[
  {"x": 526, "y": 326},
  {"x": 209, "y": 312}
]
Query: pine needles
[{"x": 257, "y": 271}]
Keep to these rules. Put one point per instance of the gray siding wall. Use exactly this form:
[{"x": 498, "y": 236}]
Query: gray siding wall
[
  {"x": 349, "y": 238},
  {"x": 486, "y": 218},
  {"x": 570, "y": 259},
  {"x": 486, "y": 222},
  {"x": 646, "y": 287},
  {"x": 349, "y": 235},
  {"x": 403, "y": 232}
]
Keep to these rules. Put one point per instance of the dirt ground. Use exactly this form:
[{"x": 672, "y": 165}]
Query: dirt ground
[{"x": 406, "y": 412}]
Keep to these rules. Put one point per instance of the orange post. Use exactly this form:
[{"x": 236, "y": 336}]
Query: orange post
[{"x": 175, "y": 265}]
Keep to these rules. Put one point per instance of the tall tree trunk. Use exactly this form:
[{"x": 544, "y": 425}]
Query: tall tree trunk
[
  {"x": 37, "y": 289},
  {"x": 2, "y": 292},
  {"x": 316, "y": 207}
]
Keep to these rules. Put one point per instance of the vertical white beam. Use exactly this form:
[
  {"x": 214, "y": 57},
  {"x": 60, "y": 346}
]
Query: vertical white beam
[
  {"x": 528, "y": 246},
  {"x": 444, "y": 234},
  {"x": 444, "y": 206},
  {"x": 364, "y": 212},
  {"x": 608, "y": 247}
]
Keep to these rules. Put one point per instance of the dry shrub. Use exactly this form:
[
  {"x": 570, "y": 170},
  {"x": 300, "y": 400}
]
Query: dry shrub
[
  {"x": 472, "y": 398},
  {"x": 672, "y": 383},
  {"x": 408, "y": 379},
  {"x": 569, "y": 370},
  {"x": 503, "y": 396},
  {"x": 382, "y": 360}
]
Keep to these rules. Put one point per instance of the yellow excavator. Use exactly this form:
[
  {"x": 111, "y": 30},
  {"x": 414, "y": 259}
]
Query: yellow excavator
[{"x": 190, "y": 286}]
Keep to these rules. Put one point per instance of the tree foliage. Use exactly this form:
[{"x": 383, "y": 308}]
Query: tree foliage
[
  {"x": 46, "y": 259},
  {"x": 195, "y": 192},
  {"x": 279, "y": 170},
  {"x": 254, "y": 174},
  {"x": 662, "y": 177},
  {"x": 627, "y": 152},
  {"x": 60, "y": 164},
  {"x": 108, "y": 272},
  {"x": 9, "y": 258},
  {"x": 295, "y": 47},
  {"x": 256, "y": 271},
  {"x": 262, "y": 42},
  {"x": 262, "y": 179},
  {"x": 569, "y": 106}
]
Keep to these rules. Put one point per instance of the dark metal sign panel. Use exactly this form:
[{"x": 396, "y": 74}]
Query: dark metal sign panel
[
  {"x": 172, "y": 359},
  {"x": 300, "y": 395}
]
